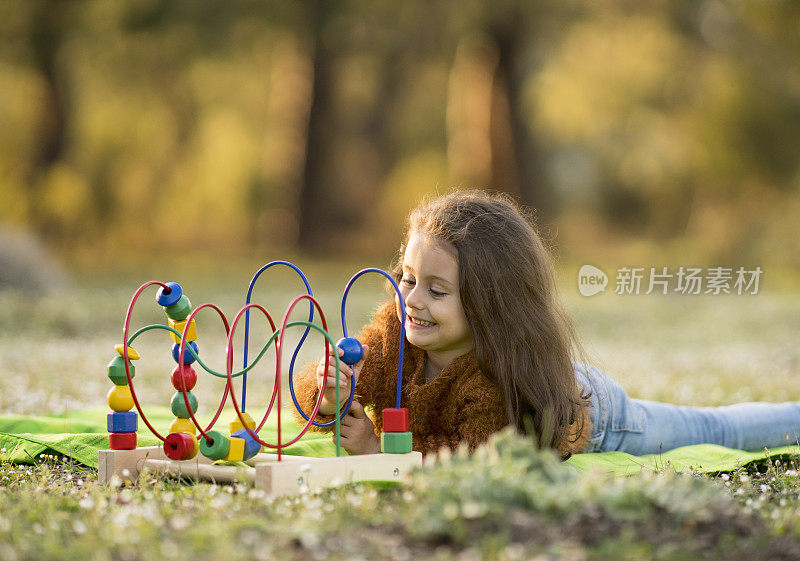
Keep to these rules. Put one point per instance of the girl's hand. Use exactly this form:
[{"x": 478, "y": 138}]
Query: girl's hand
[
  {"x": 345, "y": 374},
  {"x": 358, "y": 432}
]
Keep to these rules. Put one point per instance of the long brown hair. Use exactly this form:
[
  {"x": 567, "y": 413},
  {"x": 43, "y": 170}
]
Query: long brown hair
[{"x": 524, "y": 341}]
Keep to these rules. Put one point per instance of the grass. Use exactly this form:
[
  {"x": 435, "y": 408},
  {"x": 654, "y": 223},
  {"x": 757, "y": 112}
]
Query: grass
[{"x": 508, "y": 502}]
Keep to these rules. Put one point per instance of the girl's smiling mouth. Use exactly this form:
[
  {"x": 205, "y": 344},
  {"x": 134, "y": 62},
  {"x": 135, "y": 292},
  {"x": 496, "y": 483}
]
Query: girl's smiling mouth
[{"x": 418, "y": 322}]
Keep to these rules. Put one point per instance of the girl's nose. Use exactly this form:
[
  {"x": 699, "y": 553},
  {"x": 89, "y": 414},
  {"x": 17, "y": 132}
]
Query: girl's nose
[{"x": 413, "y": 299}]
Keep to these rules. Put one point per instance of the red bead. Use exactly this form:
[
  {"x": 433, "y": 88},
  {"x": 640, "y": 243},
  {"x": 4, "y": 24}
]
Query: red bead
[
  {"x": 395, "y": 420},
  {"x": 188, "y": 374},
  {"x": 180, "y": 446},
  {"x": 122, "y": 440}
]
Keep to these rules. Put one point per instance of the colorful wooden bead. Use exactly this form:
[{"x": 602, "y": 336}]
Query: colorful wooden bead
[
  {"x": 218, "y": 448},
  {"x": 178, "y": 404},
  {"x": 353, "y": 351},
  {"x": 395, "y": 420},
  {"x": 132, "y": 354},
  {"x": 187, "y": 373},
  {"x": 191, "y": 334},
  {"x": 116, "y": 371},
  {"x": 120, "y": 398},
  {"x": 183, "y": 425},
  {"x": 236, "y": 450},
  {"x": 251, "y": 445},
  {"x": 169, "y": 297},
  {"x": 188, "y": 357},
  {"x": 122, "y": 440},
  {"x": 236, "y": 423},
  {"x": 396, "y": 442},
  {"x": 180, "y": 446},
  {"x": 179, "y": 310},
  {"x": 122, "y": 421}
]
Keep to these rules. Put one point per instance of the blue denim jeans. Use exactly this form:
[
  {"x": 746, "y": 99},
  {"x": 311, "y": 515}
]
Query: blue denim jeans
[{"x": 638, "y": 427}]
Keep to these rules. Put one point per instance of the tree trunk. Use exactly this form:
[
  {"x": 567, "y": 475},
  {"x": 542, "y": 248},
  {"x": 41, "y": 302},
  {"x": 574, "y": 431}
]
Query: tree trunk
[
  {"x": 46, "y": 36},
  {"x": 316, "y": 220},
  {"x": 518, "y": 164}
]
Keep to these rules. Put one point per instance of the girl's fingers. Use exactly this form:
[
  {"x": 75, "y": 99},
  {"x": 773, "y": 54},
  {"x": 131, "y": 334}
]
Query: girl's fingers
[
  {"x": 357, "y": 367},
  {"x": 331, "y": 383},
  {"x": 332, "y": 362}
]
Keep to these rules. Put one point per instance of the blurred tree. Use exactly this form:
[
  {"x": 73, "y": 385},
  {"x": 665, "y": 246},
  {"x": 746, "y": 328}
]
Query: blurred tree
[
  {"x": 169, "y": 124},
  {"x": 518, "y": 37}
]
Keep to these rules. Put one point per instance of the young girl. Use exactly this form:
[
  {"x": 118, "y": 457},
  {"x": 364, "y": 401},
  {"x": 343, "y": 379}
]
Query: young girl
[{"x": 488, "y": 345}]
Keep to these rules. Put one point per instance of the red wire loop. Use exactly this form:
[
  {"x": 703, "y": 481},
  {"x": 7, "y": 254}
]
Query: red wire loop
[
  {"x": 125, "y": 331},
  {"x": 276, "y": 389},
  {"x": 230, "y": 330}
]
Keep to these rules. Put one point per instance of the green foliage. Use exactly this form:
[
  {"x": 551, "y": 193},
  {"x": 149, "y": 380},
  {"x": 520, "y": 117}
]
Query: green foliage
[
  {"x": 166, "y": 125},
  {"x": 508, "y": 501}
]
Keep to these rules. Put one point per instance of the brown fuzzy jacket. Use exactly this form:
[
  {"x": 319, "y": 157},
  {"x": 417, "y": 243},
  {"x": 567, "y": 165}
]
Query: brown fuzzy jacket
[{"x": 460, "y": 404}]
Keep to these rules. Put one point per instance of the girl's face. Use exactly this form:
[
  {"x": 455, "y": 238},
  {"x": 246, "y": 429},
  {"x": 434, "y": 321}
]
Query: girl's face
[{"x": 435, "y": 319}]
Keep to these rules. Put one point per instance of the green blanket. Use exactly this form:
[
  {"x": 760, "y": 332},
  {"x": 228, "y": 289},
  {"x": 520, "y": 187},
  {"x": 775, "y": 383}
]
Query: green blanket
[{"x": 80, "y": 434}]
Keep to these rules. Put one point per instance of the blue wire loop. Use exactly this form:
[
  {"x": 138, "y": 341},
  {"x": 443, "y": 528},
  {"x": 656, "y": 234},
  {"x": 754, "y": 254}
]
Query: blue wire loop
[
  {"x": 308, "y": 328},
  {"x": 402, "y": 323},
  {"x": 247, "y": 326}
]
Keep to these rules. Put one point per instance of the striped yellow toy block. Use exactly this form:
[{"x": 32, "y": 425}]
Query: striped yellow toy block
[
  {"x": 132, "y": 354},
  {"x": 236, "y": 451},
  {"x": 236, "y": 424},
  {"x": 178, "y": 326}
]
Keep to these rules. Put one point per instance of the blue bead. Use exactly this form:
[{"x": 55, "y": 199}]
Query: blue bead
[
  {"x": 126, "y": 421},
  {"x": 251, "y": 446},
  {"x": 188, "y": 358},
  {"x": 168, "y": 299},
  {"x": 353, "y": 351}
]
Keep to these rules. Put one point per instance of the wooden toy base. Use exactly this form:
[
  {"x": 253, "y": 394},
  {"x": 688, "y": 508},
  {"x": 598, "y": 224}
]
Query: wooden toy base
[{"x": 292, "y": 475}]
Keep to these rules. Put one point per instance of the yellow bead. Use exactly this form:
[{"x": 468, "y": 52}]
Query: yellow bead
[
  {"x": 236, "y": 451},
  {"x": 196, "y": 447},
  {"x": 183, "y": 425},
  {"x": 132, "y": 354},
  {"x": 236, "y": 424},
  {"x": 120, "y": 398},
  {"x": 191, "y": 335}
]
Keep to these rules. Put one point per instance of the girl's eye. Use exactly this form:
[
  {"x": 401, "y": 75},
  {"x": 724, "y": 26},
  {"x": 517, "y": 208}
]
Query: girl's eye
[
  {"x": 437, "y": 294},
  {"x": 407, "y": 282}
]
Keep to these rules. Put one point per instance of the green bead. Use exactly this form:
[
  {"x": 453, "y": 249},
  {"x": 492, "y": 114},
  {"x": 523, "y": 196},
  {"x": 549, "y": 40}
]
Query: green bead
[
  {"x": 218, "y": 448},
  {"x": 179, "y": 310},
  {"x": 178, "y": 405},
  {"x": 396, "y": 442},
  {"x": 116, "y": 371}
]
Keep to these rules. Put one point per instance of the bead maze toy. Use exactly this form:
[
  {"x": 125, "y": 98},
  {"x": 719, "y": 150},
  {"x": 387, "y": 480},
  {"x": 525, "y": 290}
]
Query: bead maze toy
[{"x": 186, "y": 453}]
